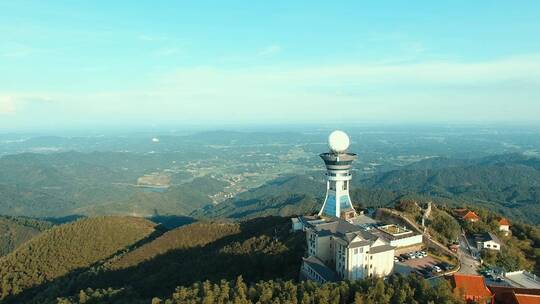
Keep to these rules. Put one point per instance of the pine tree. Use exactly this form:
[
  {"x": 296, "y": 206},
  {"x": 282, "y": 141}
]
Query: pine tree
[
  {"x": 240, "y": 291},
  {"x": 83, "y": 298},
  {"x": 358, "y": 298}
]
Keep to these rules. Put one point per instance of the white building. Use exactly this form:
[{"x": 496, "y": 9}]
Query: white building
[
  {"x": 504, "y": 226},
  {"x": 487, "y": 241},
  {"x": 315, "y": 270},
  {"x": 350, "y": 251},
  {"x": 398, "y": 236}
]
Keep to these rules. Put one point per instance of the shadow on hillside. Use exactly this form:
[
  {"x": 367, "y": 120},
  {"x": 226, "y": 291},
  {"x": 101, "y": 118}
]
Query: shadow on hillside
[
  {"x": 63, "y": 219},
  {"x": 254, "y": 253},
  {"x": 171, "y": 221}
]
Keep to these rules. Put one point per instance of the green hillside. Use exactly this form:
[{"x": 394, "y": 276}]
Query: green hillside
[
  {"x": 508, "y": 184},
  {"x": 14, "y": 231},
  {"x": 183, "y": 256},
  {"x": 285, "y": 196},
  {"x": 194, "y": 235},
  {"x": 66, "y": 248}
]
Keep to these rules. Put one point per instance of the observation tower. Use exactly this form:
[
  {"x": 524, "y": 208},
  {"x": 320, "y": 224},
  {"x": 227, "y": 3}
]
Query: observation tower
[{"x": 338, "y": 176}]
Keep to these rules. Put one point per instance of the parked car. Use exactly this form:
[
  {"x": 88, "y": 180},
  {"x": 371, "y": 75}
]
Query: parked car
[
  {"x": 396, "y": 259},
  {"x": 444, "y": 266},
  {"x": 437, "y": 268},
  {"x": 400, "y": 259},
  {"x": 423, "y": 271}
]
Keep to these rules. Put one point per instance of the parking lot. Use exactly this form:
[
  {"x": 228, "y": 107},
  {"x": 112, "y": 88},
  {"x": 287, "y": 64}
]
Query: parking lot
[
  {"x": 423, "y": 266},
  {"x": 420, "y": 263}
]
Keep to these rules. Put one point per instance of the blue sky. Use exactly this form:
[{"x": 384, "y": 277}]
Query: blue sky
[{"x": 70, "y": 63}]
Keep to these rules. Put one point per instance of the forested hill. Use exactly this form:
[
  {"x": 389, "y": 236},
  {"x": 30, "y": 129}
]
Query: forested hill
[
  {"x": 14, "y": 231},
  {"x": 284, "y": 196},
  {"x": 121, "y": 254},
  {"x": 506, "y": 184},
  {"x": 66, "y": 248}
]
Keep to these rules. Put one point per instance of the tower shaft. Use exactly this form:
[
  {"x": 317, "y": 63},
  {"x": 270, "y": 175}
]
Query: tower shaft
[{"x": 338, "y": 176}]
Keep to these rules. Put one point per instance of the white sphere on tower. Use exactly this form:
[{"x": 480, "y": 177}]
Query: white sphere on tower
[{"x": 338, "y": 141}]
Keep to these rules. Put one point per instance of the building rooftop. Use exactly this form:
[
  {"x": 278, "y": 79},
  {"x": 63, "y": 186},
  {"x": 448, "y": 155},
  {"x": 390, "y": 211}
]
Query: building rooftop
[
  {"x": 334, "y": 226},
  {"x": 471, "y": 215},
  {"x": 523, "y": 279},
  {"x": 363, "y": 219},
  {"x": 395, "y": 230},
  {"x": 505, "y": 294},
  {"x": 526, "y": 299},
  {"x": 324, "y": 271},
  {"x": 504, "y": 222},
  {"x": 382, "y": 248},
  {"x": 344, "y": 230},
  {"x": 471, "y": 285},
  {"x": 486, "y": 237}
]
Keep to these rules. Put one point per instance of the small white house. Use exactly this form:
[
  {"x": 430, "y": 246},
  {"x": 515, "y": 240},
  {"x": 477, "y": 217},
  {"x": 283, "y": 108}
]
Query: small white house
[
  {"x": 487, "y": 241},
  {"x": 504, "y": 226}
]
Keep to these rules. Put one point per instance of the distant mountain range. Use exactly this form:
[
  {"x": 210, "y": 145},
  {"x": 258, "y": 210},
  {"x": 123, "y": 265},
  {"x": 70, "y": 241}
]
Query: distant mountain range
[
  {"x": 99, "y": 183},
  {"x": 507, "y": 184}
]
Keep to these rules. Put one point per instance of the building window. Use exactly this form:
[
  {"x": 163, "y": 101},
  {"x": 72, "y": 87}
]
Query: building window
[
  {"x": 355, "y": 250},
  {"x": 371, "y": 257}
]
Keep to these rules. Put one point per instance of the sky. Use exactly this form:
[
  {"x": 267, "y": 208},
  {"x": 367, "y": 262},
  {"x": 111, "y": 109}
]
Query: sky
[{"x": 66, "y": 64}]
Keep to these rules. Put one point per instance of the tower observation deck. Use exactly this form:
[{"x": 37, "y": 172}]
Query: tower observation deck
[{"x": 338, "y": 176}]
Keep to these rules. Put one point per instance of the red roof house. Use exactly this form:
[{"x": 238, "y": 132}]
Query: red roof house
[
  {"x": 504, "y": 222},
  {"x": 513, "y": 295},
  {"x": 471, "y": 217},
  {"x": 504, "y": 225},
  {"x": 466, "y": 215},
  {"x": 472, "y": 287}
]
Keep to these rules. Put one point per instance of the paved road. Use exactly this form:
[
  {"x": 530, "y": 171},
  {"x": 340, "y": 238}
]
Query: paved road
[{"x": 469, "y": 265}]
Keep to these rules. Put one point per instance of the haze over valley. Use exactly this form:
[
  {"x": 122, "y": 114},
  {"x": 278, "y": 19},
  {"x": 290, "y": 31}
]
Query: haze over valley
[{"x": 166, "y": 174}]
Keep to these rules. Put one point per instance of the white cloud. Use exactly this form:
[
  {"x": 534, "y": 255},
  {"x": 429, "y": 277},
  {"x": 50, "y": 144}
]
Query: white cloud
[
  {"x": 7, "y": 105},
  {"x": 15, "y": 50},
  {"x": 502, "y": 89},
  {"x": 270, "y": 50},
  {"x": 164, "y": 52}
]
